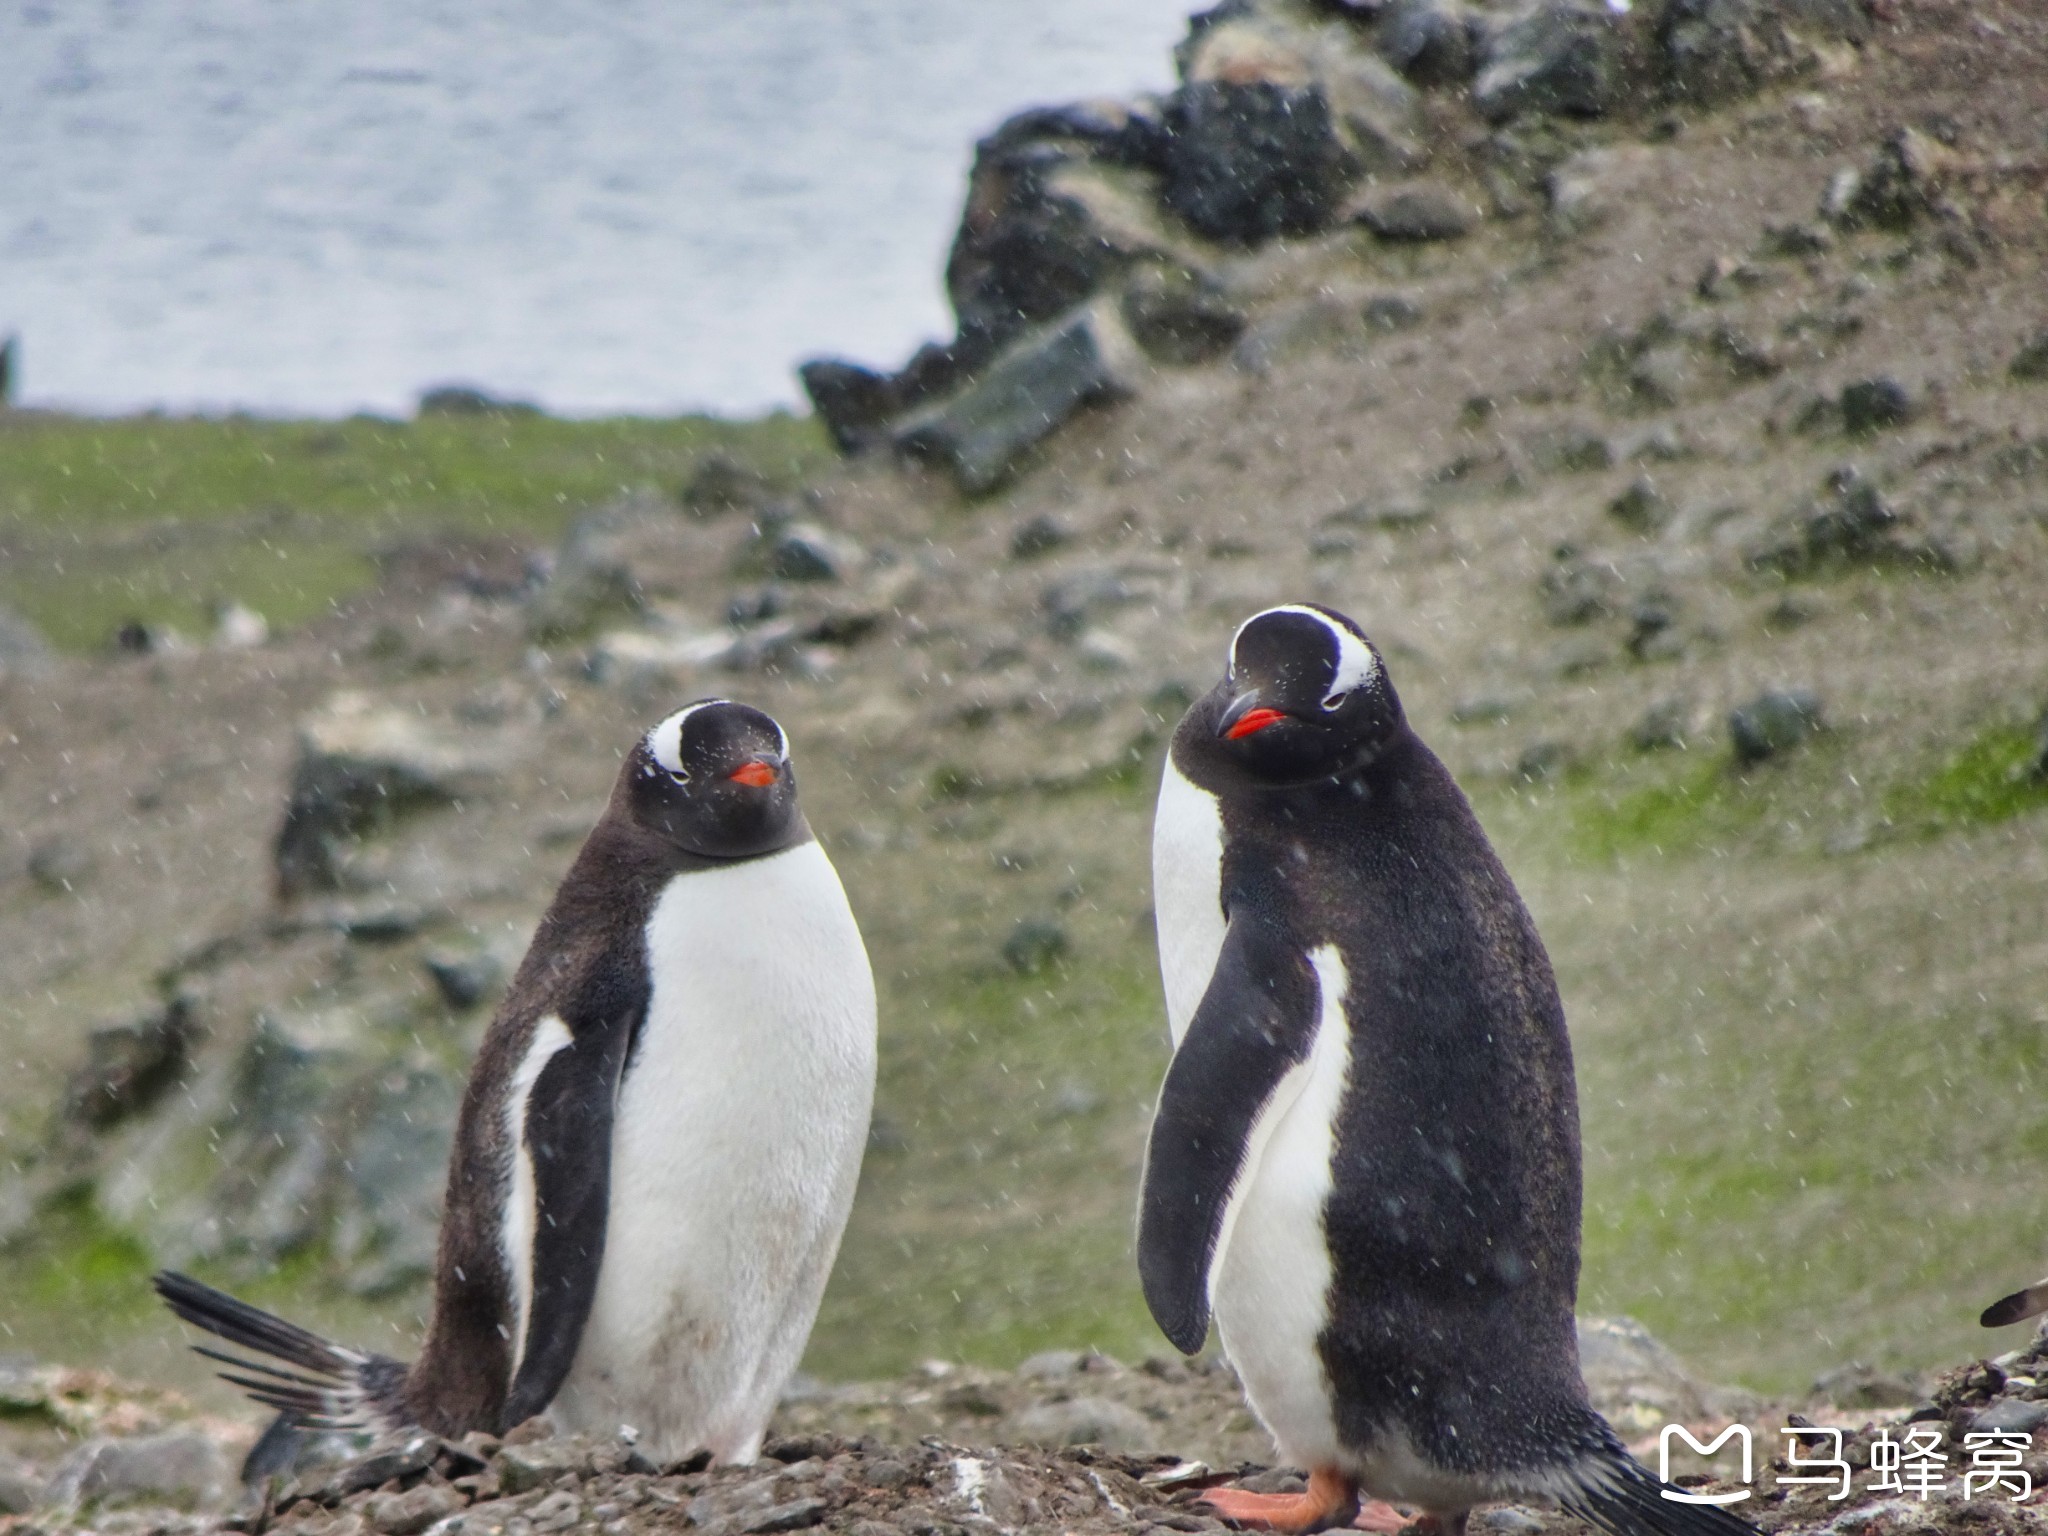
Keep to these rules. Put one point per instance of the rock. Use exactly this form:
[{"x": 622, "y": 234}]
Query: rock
[
  {"x": 1319, "y": 323},
  {"x": 127, "y": 1066},
  {"x": 1576, "y": 590},
  {"x": 1665, "y": 724},
  {"x": 1037, "y": 535},
  {"x": 1592, "y": 186},
  {"x": 178, "y": 1467},
  {"x": 1642, "y": 508},
  {"x": 1901, "y": 185},
  {"x": 1421, "y": 211},
  {"x": 468, "y": 400},
  {"x": 1506, "y": 1520},
  {"x": 720, "y": 483},
  {"x": 1177, "y": 317},
  {"x": 1254, "y": 160},
  {"x": 1716, "y": 50},
  {"x": 1551, "y": 57},
  {"x": 23, "y": 650},
  {"x": 1025, "y": 394},
  {"x": 388, "y": 1222},
  {"x": 1391, "y": 312},
  {"x": 237, "y": 627},
  {"x": 465, "y": 979},
  {"x": 855, "y": 403},
  {"x": 2012, "y": 1415},
  {"x": 1070, "y": 602},
  {"x": 410, "y": 1512},
  {"x": 1100, "y": 651},
  {"x": 1036, "y": 944},
  {"x": 1628, "y": 1370},
  {"x": 1572, "y": 450},
  {"x": 362, "y": 763},
  {"x": 1857, "y": 1385},
  {"x": 1661, "y": 376},
  {"x": 1541, "y": 760},
  {"x": 1875, "y": 405},
  {"x": 539, "y": 1464},
  {"x": 1797, "y": 238},
  {"x": 590, "y": 579},
  {"x": 1773, "y": 723},
  {"x": 20, "y": 1486},
  {"x": 59, "y": 864},
  {"x": 1428, "y": 41},
  {"x": 1084, "y": 1421},
  {"x": 1051, "y": 1365},
  {"x": 2030, "y": 363},
  {"x": 806, "y": 552}
]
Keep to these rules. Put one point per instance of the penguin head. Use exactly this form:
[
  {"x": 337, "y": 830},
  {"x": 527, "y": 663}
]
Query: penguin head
[
  {"x": 1306, "y": 697},
  {"x": 715, "y": 779}
]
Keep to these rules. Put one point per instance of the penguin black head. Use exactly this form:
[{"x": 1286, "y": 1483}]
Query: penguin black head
[
  {"x": 1305, "y": 697},
  {"x": 715, "y": 779}
]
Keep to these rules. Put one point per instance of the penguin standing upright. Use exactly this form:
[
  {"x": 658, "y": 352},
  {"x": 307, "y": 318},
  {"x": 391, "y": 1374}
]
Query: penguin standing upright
[
  {"x": 659, "y": 1144},
  {"x": 1365, "y": 1158}
]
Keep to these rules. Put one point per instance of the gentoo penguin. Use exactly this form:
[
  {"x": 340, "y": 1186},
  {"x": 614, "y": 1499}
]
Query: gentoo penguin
[
  {"x": 1365, "y": 1158},
  {"x": 659, "y": 1144},
  {"x": 2017, "y": 1307}
]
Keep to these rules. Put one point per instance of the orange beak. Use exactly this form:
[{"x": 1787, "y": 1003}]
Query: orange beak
[
  {"x": 1253, "y": 720},
  {"x": 758, "y": 774}
]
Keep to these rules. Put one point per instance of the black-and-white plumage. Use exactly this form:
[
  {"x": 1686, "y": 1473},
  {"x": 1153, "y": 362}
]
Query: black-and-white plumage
[
  {"x": 1365, "y": 1159},
  {"x": 2018, "y": 1307},
  {"x": 658, "y": 1148}
]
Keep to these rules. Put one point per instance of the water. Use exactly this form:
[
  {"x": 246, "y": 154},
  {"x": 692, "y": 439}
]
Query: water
[{"x": 322, "y": 206}]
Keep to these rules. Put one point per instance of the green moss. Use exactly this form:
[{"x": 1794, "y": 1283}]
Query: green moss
[
  {"x": 1990, "y": 779},
  {"x": 154, "y": 518},
  {"x": 1699, "y": 802}
]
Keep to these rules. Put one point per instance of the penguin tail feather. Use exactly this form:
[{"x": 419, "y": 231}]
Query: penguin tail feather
[
  {"x": 327, "y": 1385},
  {"x": 1622, "y": 1498},
  {"x": 2017, "y": 1307}
]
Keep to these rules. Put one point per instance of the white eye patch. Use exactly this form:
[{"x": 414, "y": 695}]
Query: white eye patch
[
  {"x": 665, "y": 741},
  {"x": 1356, "y": 664}
]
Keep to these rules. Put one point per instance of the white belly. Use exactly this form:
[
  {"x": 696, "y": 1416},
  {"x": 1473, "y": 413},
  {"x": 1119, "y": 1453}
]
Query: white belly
[
  {"x": 1269, "y": 1285},
  {"x": 1187, "y": 893},
  {"x": 735, "y": 1150}
]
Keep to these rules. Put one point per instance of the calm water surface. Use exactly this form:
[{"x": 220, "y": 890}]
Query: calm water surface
[{"x": 603, "y": 205}]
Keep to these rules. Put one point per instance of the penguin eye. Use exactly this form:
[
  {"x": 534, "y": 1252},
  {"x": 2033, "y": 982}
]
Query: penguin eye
[{"x": 1335, "y": 702}]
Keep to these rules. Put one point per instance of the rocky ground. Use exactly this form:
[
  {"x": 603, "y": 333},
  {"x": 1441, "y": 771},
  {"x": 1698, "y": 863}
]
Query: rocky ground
[{"x": 1685, "y": 446}]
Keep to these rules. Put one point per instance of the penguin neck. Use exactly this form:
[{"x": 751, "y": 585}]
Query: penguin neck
[{"x": 648, "y": 861}]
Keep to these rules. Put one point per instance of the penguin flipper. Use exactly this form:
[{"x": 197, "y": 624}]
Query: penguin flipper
[
  {"x": 568, "y": 1136},
  {"x": 2017, "y": 1307},
  {"x": 1256, "y": 1020}
]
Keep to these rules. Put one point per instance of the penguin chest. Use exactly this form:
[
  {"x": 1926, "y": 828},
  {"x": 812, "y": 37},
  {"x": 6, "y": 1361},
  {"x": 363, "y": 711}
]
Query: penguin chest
[
  {"x": 1270, "y": 1281},
  {"x": 736, "y": 1144},
  {"x": 1187, "y": 892}
]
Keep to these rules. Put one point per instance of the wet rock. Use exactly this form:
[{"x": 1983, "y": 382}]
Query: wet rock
[
  {"x": 1035, "y": 945},
  {"x": 806, "y": 552},
  {"x": 178, "y": 1467},
  {"x": 2011, "y": 1415},
  {"x": 1875, "y": 405},
  {"x": 1422, "y": 211},
  {"x": 1391, "y": 312},
  {"x": 720, "y": 484},
  {"x": 1773, "y": 723},
  {"x": 128, "y": 1066},
  {"x": 1177, "y": 317},
  {"x": 361, "y": 764},
  {"x": 1505, "y": 1520},
  {"x": 60, "y": 864},
  {"x": 1024, "y": 395},
  {"x": 854, "y": 402},
  {"x": 1255, "y": 160},
  {"x": 410, "y": 1512},
  {"x": 1038, "y": 535},
  {"x": 1551, "y": 57},
  {"x": 1851, "y": 520},
  {"x": 1628, "y": 1371},
  {"x": 541, "y": 1463},
  {"x": 1716, "y": 50},
  {"x": 2029, "y": 364},
  {"x": 1083, "y": 1421},
  {"x": 1428, "y": 41},
  {"x": 1666, "y": 724},
  {"x": 1642, "y": 508}
]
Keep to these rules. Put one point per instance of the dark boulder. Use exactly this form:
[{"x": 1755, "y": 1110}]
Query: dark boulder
[
  {"x": 1023, "y": 252},
  {"x": 128, "y": 1066},
  {"x": 1177, "y": 316},
  {"x": 1553, "y": 57},
  {"x": 1428, "y": 41},
  {"x": 1253, "y": 160},
  {"x": 1774, "y": 722},
  {"x": 1717, "y": 50}
]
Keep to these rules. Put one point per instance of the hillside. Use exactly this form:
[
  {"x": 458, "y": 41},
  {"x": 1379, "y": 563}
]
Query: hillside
[{"x": 1671, "y": 425}]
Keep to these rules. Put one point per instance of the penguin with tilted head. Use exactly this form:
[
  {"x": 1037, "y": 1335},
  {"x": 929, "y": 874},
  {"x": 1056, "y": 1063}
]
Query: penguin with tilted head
[
  {"x": 659, "y": 1144},
  {"x": 1365, "y": 1158}
]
